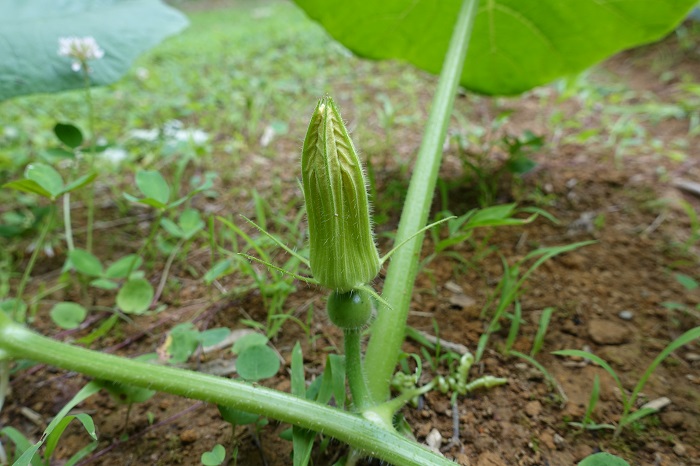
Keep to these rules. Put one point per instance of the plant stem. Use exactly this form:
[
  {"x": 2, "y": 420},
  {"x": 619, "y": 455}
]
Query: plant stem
[
  {"x": 67, "y": 222},
  {"x": 91, "y": 128},
  {"x": 32, "y": 260},
  {"x": 389, "y": 329},
  {"x": 354, "y": 370},
  {"x": 19, "y": 342}
]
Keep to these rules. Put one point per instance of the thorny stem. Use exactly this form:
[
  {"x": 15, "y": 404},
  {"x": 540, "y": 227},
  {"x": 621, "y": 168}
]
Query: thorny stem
[
  {"x": 388, "y": 332},
  {"x": 32, "y": 260},
  {"x": 374, "y": 439}
]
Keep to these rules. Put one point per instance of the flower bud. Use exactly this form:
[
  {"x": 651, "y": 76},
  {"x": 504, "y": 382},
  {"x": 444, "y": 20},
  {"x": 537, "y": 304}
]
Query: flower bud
[{"x": 343, "y": 255}]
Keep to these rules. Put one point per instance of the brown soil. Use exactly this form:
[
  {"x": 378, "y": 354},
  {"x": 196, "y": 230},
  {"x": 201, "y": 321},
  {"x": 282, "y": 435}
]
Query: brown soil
[{"x": 627, "y": 205}]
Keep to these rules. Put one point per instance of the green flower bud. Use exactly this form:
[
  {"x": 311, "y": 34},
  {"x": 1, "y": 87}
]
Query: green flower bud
[
  {"x": 351, "y": 310},
  {"x": 343, "y": 255}
]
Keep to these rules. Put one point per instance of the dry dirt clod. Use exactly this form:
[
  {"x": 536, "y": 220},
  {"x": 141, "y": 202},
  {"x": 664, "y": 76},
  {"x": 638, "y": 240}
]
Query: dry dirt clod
[
  {"x": 606, "y": 332},
  {"x": 673, "y": 419},
  {"x": 189, "y": 436},
  {"x": 533, "y": 408},
  {"x": 679, "y": 449},
  {"x": 434, "y": 439}
]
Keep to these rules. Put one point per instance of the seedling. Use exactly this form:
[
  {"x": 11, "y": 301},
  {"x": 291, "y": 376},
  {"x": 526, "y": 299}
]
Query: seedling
[{"x": 629, "y": 401}]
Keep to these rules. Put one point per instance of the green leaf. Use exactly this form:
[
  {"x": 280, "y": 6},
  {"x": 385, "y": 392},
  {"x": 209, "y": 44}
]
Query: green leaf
[
  {"x": 172, "y": 228},
  {"x": 603, "y": 459},
  {"x": 220, "y": 268},
  {"x": 135, "y": 296},
  {"x": 28, "y": 186},
  {"x": 85, "y": 262},
  {"x": 257, "y": 362},
  {"x": 215, "y": 457},
  {"x": 237, "y": 417},
  {"x": 190, "y": 223},
  {"x": 79, "y": 183},
  {"x": 213, "y": 336},
  {"x": 121, "y": 268},
  {"x": 184, "y": 339},
  {"x": 126, "y": 394},
  {"x": 688, "y": 282},
  {"x": 68, "y": 315},
  {"x": 246, "y": 341},
  {"x": 29, "y": 33},
  {"x": 54, "y": 437},
  {"x": 515, "y": 44},
  {"x": 104, "y": 284},
  {"x": 152, "y": 184},
  {"x": 68, "y": 134},
  {"x": 46, "y": 177}
]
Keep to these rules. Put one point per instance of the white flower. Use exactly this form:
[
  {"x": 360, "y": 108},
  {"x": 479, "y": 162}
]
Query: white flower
[{"x": 80, "y": 49}]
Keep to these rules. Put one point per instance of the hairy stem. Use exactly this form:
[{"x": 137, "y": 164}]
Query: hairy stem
[
  {"x": 354, "y": 370},
  {"x": 18, "y": 342},
  {"x": 67, "y": 222},
  {"x": 389, "y": 329},
  {"x": 91, "y": 151}
]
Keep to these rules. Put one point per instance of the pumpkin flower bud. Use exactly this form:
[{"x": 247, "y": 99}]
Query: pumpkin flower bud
[{"x": 343, "y": 255}]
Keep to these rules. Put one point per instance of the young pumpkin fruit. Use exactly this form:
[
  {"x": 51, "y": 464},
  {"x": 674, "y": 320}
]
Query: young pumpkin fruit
[{"x": 343, "y": 254}]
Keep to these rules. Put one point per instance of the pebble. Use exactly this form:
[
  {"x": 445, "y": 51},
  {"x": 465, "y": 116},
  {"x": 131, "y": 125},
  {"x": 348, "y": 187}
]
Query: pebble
[
  {"x": 606, "y": 332},
  {"x": 453, "y": 287},
  {"x": 692, "y": 357},
  {"x": 658, "y": 404},
  {"x": 462, "y": 301},
  {"x": 434, "y": 440},
  {"x": 626, "y": 315}
]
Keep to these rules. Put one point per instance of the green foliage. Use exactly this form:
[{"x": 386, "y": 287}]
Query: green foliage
[
  {"x": 515, "y": 45},
  {"x": 68, "y": 315},
  {"x": 27, "y": 453},
  {"x": 184, "y": 339},
  {"x": 629, "y": 401},
  {"x": 603, "y": 459},
  {"x": 45, "y": 181},
  {"x": 135, "y": 296},
  {"x": 30, "y": 32},
  {"x": 215, "y": 457}
]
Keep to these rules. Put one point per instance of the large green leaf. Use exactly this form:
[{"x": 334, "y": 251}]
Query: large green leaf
[
  {"x": 30, "y": 29},
  {"x": 515, "y": 45}
]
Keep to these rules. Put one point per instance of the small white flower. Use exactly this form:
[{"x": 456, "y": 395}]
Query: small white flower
[{"x": 80, "y": 49}]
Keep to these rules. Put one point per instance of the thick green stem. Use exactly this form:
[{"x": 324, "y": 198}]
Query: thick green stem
[
  {"x": 38, "y": 247},
  {"x": 389, "y": 329},
  {"x": 18, "y": 342},
  {"x": 354, "y": 370}
]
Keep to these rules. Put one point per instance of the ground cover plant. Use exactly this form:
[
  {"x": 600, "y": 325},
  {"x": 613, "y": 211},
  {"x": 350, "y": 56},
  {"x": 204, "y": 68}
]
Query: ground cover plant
[{"x": 174, "y": 228}]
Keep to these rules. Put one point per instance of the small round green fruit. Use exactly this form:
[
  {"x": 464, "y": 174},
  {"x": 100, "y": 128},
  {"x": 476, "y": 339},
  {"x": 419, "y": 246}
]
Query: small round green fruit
[{"x": 350, "y": 310}]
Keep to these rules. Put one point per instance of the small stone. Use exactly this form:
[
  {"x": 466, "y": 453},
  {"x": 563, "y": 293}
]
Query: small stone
[
  {"x": 490, "y": 459},
  {"x": 657, "y": 404},
  {"x": 692, "y": 357},
  {"x": 626, "y": 315},
  {"x": 189, "y": 436},
  {"x": 533, "y": 408},
  {"x": 462, "y": 301},
  {"x": 606, "y": 332},
  {"x": 559, "y": 441},
  {"x": 434, "y": 440},
  {"x": 453, "y": 287},
  {"x": 679, "y": 449},
  {"x": 673, "y": 419}
]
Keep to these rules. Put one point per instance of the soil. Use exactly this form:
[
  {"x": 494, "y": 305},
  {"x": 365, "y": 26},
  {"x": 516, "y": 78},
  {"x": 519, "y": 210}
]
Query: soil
[{"x": 608, "y": 298}]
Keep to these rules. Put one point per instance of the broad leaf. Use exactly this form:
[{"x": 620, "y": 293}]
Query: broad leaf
[
  {"x": 68, "y": 315},
  {"x": 135, "y": 296},
  {"x": 153, "y": 185},
  {"x": 515, "y": 45},
  {"x": 45, "y": 176},
  {"x": 29, "y": 33},
  {"x": 68, "y": 134}
]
